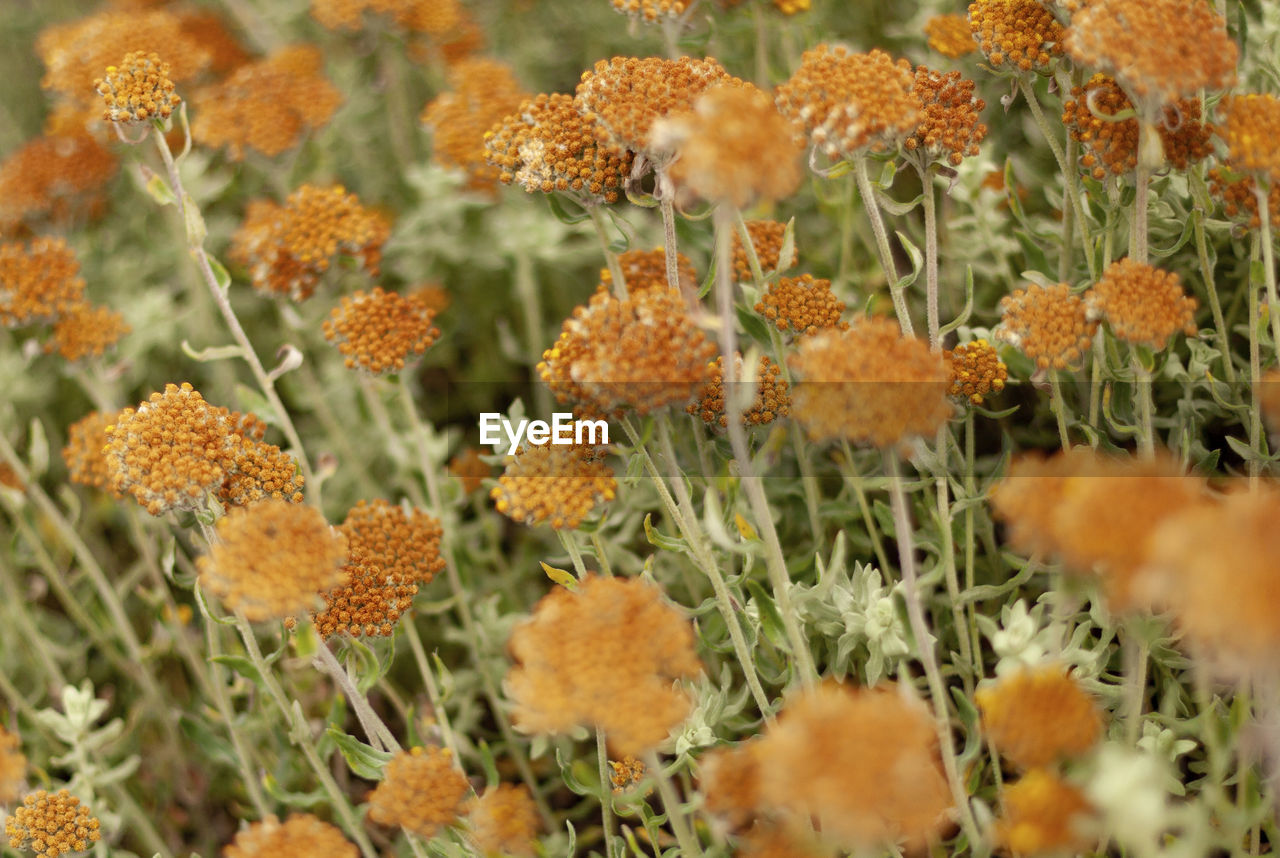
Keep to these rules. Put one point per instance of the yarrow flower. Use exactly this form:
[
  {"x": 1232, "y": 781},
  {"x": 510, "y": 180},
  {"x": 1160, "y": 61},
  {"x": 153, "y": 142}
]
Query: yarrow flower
[
  {"x": 39, "y": 282},
  {"x": 1044, "y": 814},
  {"x": 1046, "y": 323},
  {"x": 13, "y": 768},
  {"x": 1251, "y": 129},
  {"x": 1022, "y": 33},
  {"x": 949, "y": 128},
  {"x": 1141, "y": 303},
  {"x": 556, "y": 484},
  {"x": 86, "y": 330},
  {"x": 483, "y": 93},
  {"x": 647, "y": 269},
  {"x": 801, "y": 304},
  {"x": 84, "y": 453},
  {"x": 470, "y": 469},
  {"x": 288, "y": 248},
  {"x": 300, "y": 834},
  {"x": 1039, "y": 715},
  {"x": 950, "y": 35},
  {"x": 380, "y": 331},
  {"x": 273, "y": 559},
  {"x": 420, "y": 792},
  {"x": 603, "y": 655},
  {"x": 767, "y": 238},
  {"x": 138, "y": 90},
  {"x": 1239, "y": 196},
  {"x": 504, "y": 821},
  {"x": 651, "y": 10},
  {"x": 52, "y": 824},
  {"x": 772, "y": 395},
  {"x": 436, "y": 17},
  {"x": 976, "y": 371},
  {"x": 845, "y": 104},
  {"x": 55, "y": 178}
]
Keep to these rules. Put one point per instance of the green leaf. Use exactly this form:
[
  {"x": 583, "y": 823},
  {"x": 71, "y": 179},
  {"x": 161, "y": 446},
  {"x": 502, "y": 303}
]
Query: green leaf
[
  {"x": 363, "y": 760},
  {"x": 667, "y": 543},
  {"x": 755, "y": 327},
  {"x": 316, "y": 797},
  {"x": 770, "y": 619},
  {"x": 241, "y": 665},
  {"x": 212, "y": 353},
  {"x": 917, "y": 262},
  {"x": 220, "y": 273},
  {"x": 157, "y": 187},
  {"x": 257, "y": 404},
  {"x": 489, "y": 764},
  {"x": 564, "y": 215}
]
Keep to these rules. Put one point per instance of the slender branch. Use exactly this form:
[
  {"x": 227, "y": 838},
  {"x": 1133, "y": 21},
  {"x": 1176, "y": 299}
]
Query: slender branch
[{"x": 882, "y": 245}]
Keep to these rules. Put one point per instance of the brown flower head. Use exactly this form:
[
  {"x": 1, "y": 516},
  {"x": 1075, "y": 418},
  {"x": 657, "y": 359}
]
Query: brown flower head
[
  {"x": 647, "y": 269},
  {"x": 1044, "y": 814},
  {"x": 773, "y": 840},
  {"x": 85, "y": 330},
  {"x": 504, "y": 821},
  {"x": 976, "y": 371},
  {"x": 1047, "y": 323},
  {"x": 949, "y": 127},
  {"x": 1021, "y": 33},
  {"x": 844, "y": 103},
  {"x": 390, "y": 553},
  {"x": 603, "y": 655},
  {"x": 57, "y": 178},
  {"x": 75, "y": 53},
  {"x": 1251, "y": 128},
  {"x": 138, "y": 90},
  {"x": 623, "y": 97},
  {"x": 733, "y": 147},
  {"x": 863, "y": 762},
  {"x": 730, "y": 779},
  {"x": 1112, "y": 145},
  {"x": 288, "y": 248},
  {"x": 470, "y": 469},
  {"x": 267, "y": 105},
  {"x": 273, "y": 559},
  {"x": 651, "y": 10},
  {"x": 300, "y": 834},
  {"x": 1039, "y": 715},
  {"x": 547, "y": 145},
  {"x": 950, "y": 35},
  {"x": 869, "y": 384},
  {"x": 13, "y": 768},
  {"x": 766, "y": 239},
  {"x": 52, "y": 824},
  {"x": 226, "y": 53},
  {"x": 436, "y": 17},
  {"x": 39, "y": 282},
  {"x": 643, "y": 354},
  {"x": 1239, "y": 198},
  {"x": 1142, "y": 304},
  {"x": 772, "y": 395},
  {"x": 84, "y": 453},
  {"x": 380, "y": 331},
  {"x": 258, "y": 470},
  {"x": 626, "y": 774},
  {"x": 801, "y": 304},
  {"x": 1158, "y": 51},
  {"x": 420, "y": 792},
  {"x": 483, "y": 93},
  {"x": 557, "y": 484}
]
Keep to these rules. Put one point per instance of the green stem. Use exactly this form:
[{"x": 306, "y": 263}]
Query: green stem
[
  {"x": 438, "y": 711},
  {"x": 1138, "y": 240},
  {"x": 1059, "y": 408},
  {"x": 689, "y": 845},
  {"x": 1255, "y": 366},
  {"x": 666, "y": 203},
  {"x": 379, "y": 735},
  {"x": 1135, "y": 683},
  {"x": 222, "y": 702},
  {"x": 1260, "y": 192},
  {"x": 1146, "y": 408},
  {"x": 1215, "y": 305},
  {"x": 930, "y": 257},
  {"x": 575, "y": 554},
  {"x": 531, "y": 304},
  {"x": 610, "y": 258},
  {"x": 942, "y": 449},
  {"x": 882, "y": 245},
  {"x": 606, "y": 793}
]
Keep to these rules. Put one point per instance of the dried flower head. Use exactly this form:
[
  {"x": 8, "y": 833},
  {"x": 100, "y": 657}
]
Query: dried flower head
[
  {"x": 772, "y": 395},
  {"x": 863, "y": 762},
  {"x": 623, "y": 97},
  {"x": 420, "y": 792},
  {"x": 801, "y": 304},
  {"x": 85, "y": 330},
  {"x": 626, "y": 774},
  {"x": 603, "y": 655},
  {"x": 547, "y": 145},
  {"x": 774, "y": 840},
  {"x": 288, "y": 248},
  {"x": 273, "y": 559},
  {"x": 643, "y": 354},
  {"x": 52, "y": 824},
  {"x": 647, "y": 269},
  {"x": 138, "y": 89},
  {"x": 1039, "y": 715},
  {"x": 767, "y": 238},
  {"x": 1022, "y": 33},
  {"x": 559, "y": 484},
  {"x": 13, "y": 768},
  {"x": 950, "y": 35},
  {"x": 1047, "y": 323},
  {"x": 730, "y": 780},
  {"x": 380, "y": 331},
  {"x": 226, "y": 53},
  {"x": 258, "y": 470},
  {"x": 85, "y": 451},
  {"x": 39, "y": 282},
  {"x": 504, "y": 821},
  {"x": 483, "y": 93},
  {"x": 57, "y": 178},
  {"x": 1158, "y": 51},
  {"x": 949, "y": 127},
  {"x": 869, "y": 384},
  {"x": 976, "y": 371},
  {"x": 1141, "y": 303},
  {"x": 300, "y": 834},
  {"x": 268, "y": 105},
  {"x": 843, "y": 103},
  {"x": 650, "y": 10},
  {"x": 1251, "y": 128},
  {"x": 1044, "y": 814},
  {"x": 390, "y": 553},
  {"x": 733, "y": 147},
  {"x": 1239, "y": 197},
  {"x": 470, "y": 469},
  {"x": 436, "y": 17}
]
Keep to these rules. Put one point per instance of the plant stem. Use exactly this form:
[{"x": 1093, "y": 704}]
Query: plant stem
[
  {"x": 882, "y": 245},
  {"x": 1206, "y": 274},
  {"x": 1147, "y": 435},
  {"x": 1260, "y": 193},
  {"x": 438, "y": 711},
  {"x": 379, "y": 735},
  {"x": 666, "y": 203},
  {"x": 244, "y": 759},
  {"x": 948, "y": 552},
  {"x": 1135, "y": 683},
  {"x": 531, "y": 304},
  {"x": 689, "y": 845},
  {"x": 1059, "y": 408},
  {"x": 575, "y": 554},
  {"x": 610, "y": 258},
  {"x": 1141, "y": 179},
  {"x": 606, "y": 793},
  {"x": 1255, "y": 366},
  {"x": 930, "y": 256}
]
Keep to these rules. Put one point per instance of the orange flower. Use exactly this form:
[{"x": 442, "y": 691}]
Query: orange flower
[
  {"x": 420, "y": 792},
  {"x": 772, "y": 395},
  {"x": 52, "y": 824},
  {"x": 379, "y": 332},
  {"x": 504, "y": 821},
  {"x": 13, "y": 768},
  {"x": 950, "y": 35},
  {"x": 39, "y": 282},
  {"x": 766, "y": 239},
  {"x": 483, "y": 93},
  {"x": 801, "y": 304},
  {"x": 1048, "y": 324},
  {"x": 86, "y": 330},
  {"x": 1044, "y": 814},
  {"x": 976, "y": 371},
  {"x": 1141, "y": 303},
  {"x": 647, "y": 269},
  {"x": 949, "y": 126},
  {"x": 554, "y": 484},
  {"x": 137, "y": 90},
  {"x": 1021, "y": 33},
  {"x": 300, "y": 834},
  {"x": 1039, "y": 715}
]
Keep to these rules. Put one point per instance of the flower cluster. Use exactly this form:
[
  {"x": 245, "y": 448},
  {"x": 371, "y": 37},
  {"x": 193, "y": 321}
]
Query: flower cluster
[
  {"x": 976, "y": 371},
  {"x": 1141, "y": 303},
  {"x": 138, "y": 89},
  {"x": 547, "y": 145},
  {"x": 470, "y": 469},
  {"x": 1038, "y": 716},
  {"x": 300, "y": 834},
  {"x": 651, "y": 10},
  {"x": 1251, "y": 129},
  {"x": 437, "y": 17},
  {"x": 268, "y": 105},
  {"x": 801, "y": 304},
  {"x": 1047, "y": 323},
  {"x": 603, "y": 655},
  {"x": 13, "y": 768},
  {"x": 844, "y": 103},
  {"x": 504, "y": 821},
  {"x": 421, "y": 792},
  {"x": 483, "y": 93},
  {"x": 1022, "y": 33},
  {"x": 1239, "y": 196},
  {"x": 86, "y": 330},
  {"x": 949, "y": 126},
  {"x": 57, "y": 177},
  {"x": 379, "y": 331},
  {"x": 84, "y": 453},
  {"x": 390, "y": 553},
  {"x": 647, "y": 269},
  {"x": 950, "y": 35},
  {"x": 766, "y": 239},
  {"x": 559, "y": 484},
  {"x": 1044, "y": 814},
  {"x": 52, "y": 824},
  {"x": 772, "y": 395},
  {"x": 288, "y": 248},
  {"x": 39, "y": 282},
  {"x": 869, "y": 384}
]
